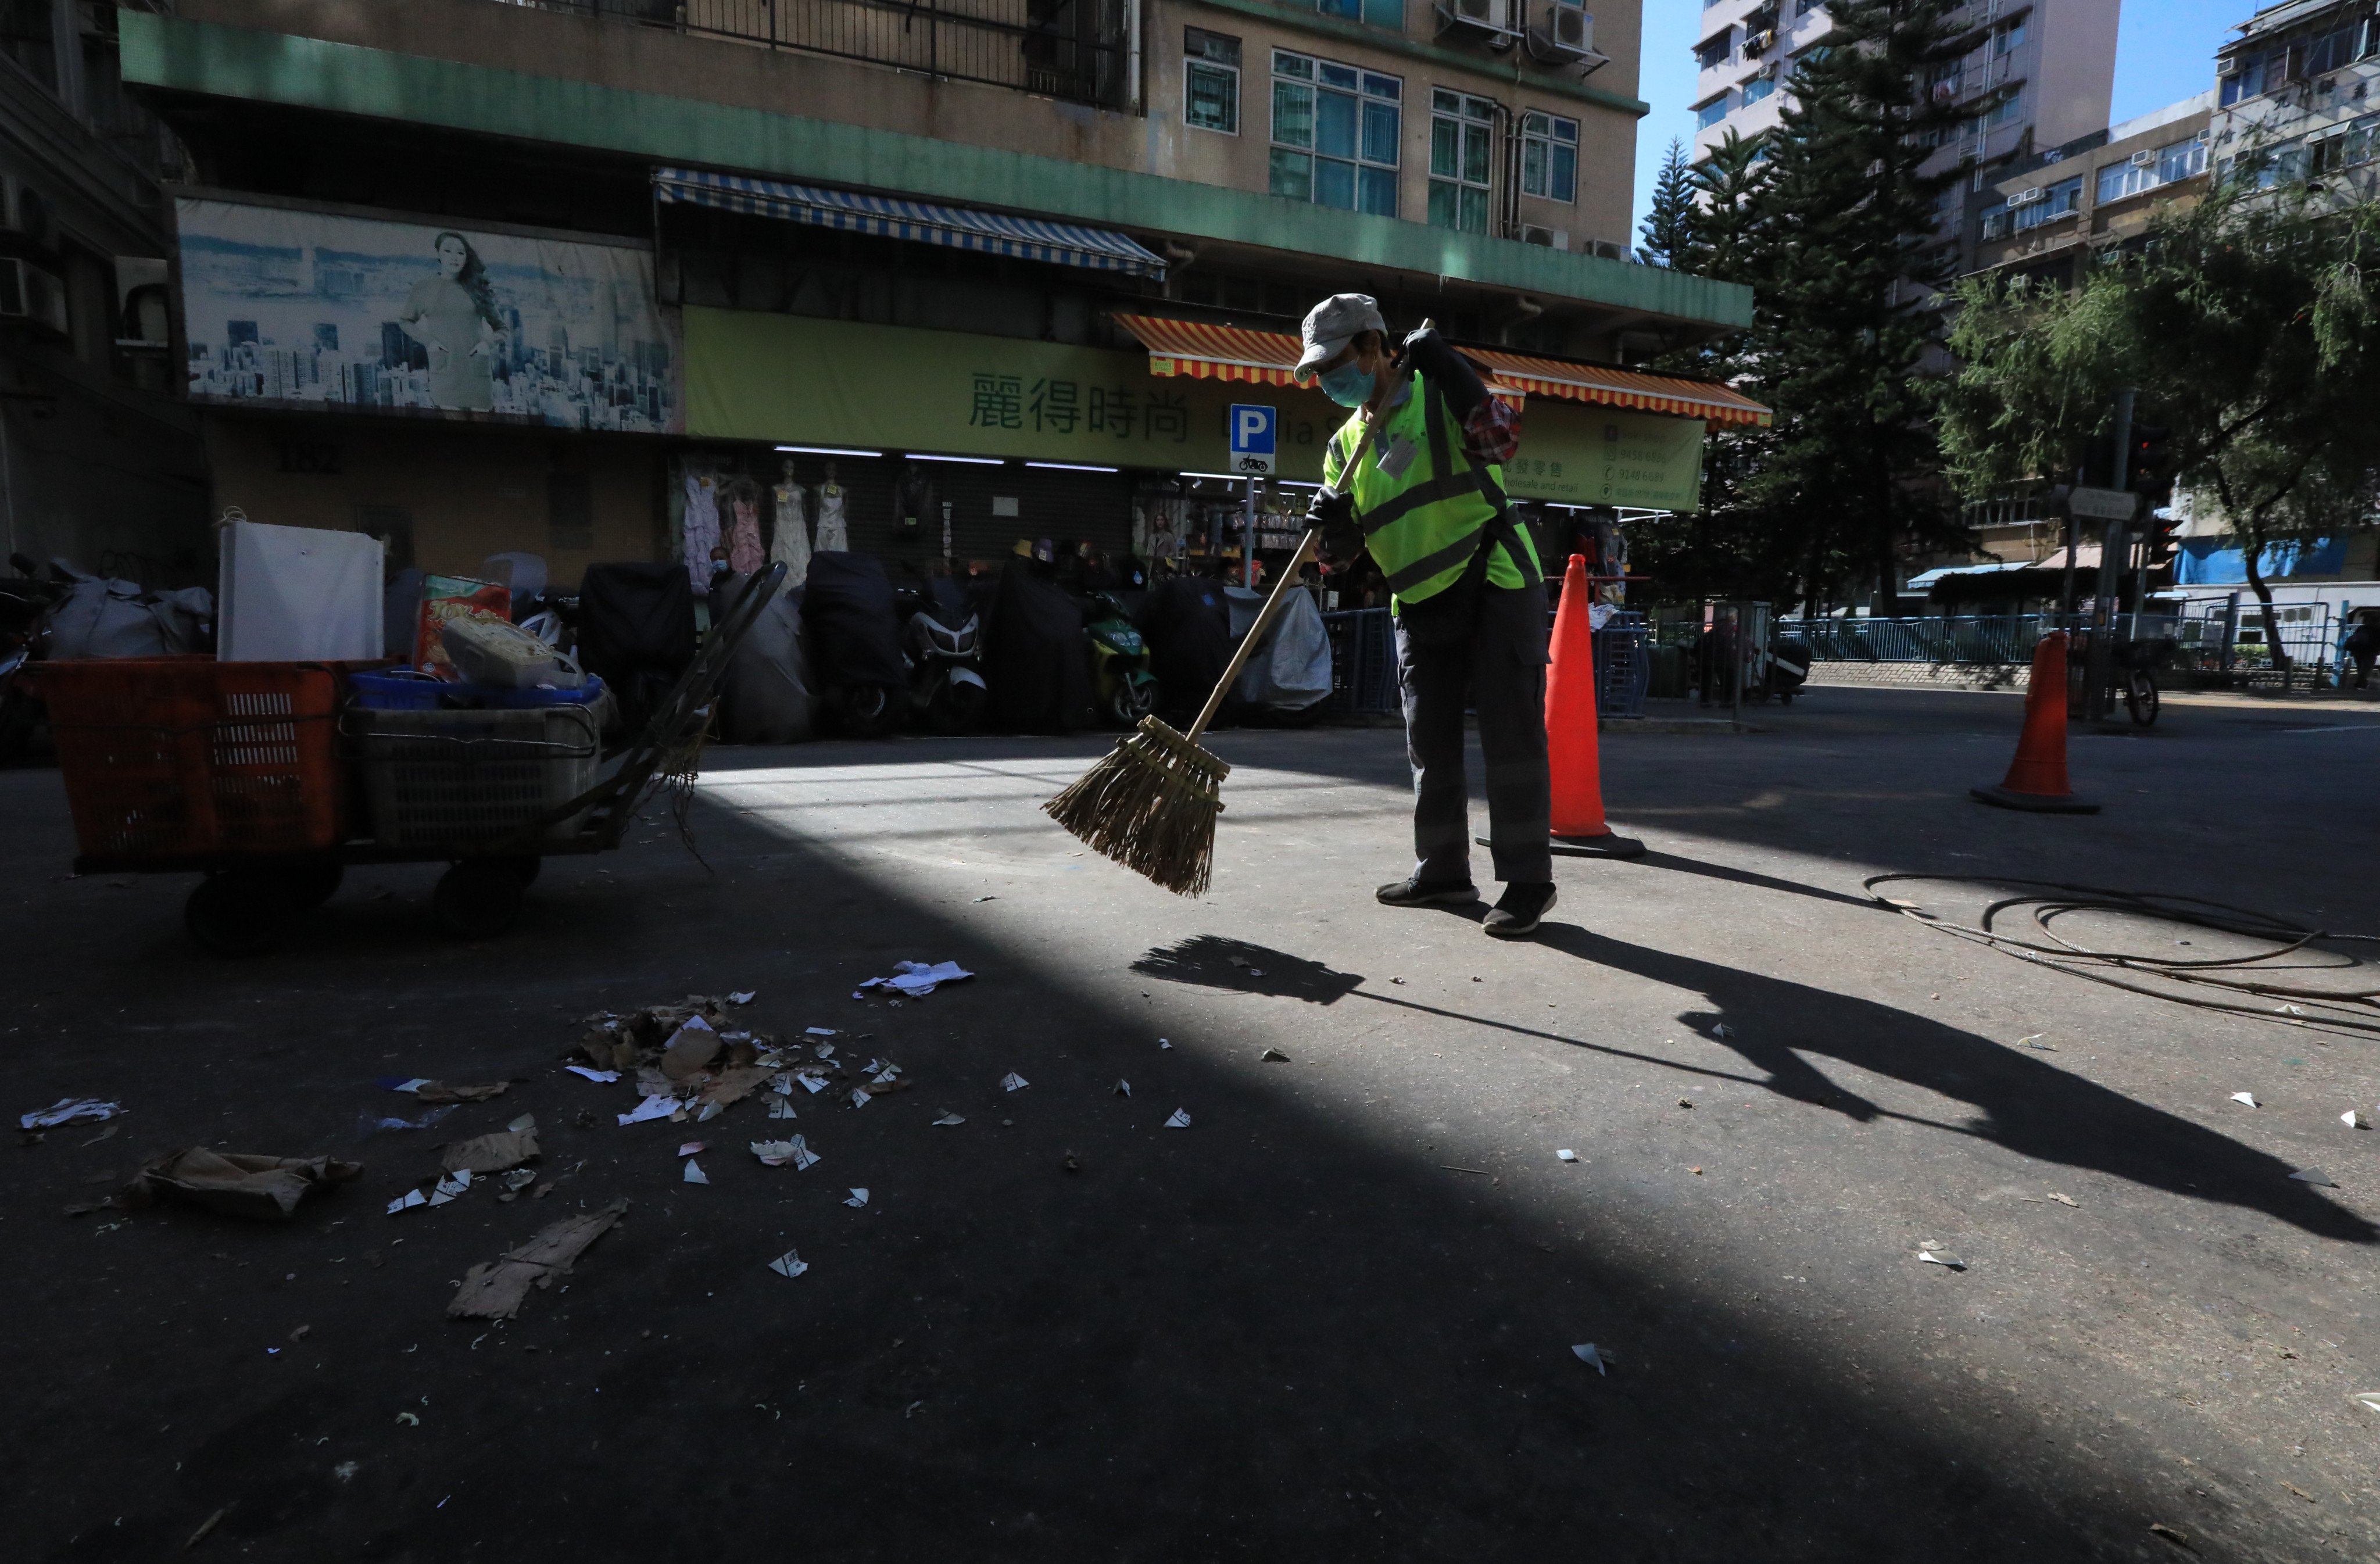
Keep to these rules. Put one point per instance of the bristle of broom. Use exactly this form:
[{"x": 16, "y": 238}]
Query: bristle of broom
[{"x": 1150, "y": 804}]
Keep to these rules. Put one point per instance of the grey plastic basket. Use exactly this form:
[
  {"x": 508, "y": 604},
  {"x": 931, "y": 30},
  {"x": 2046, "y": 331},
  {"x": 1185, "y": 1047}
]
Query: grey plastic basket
[{"x": 464, "y": 778}]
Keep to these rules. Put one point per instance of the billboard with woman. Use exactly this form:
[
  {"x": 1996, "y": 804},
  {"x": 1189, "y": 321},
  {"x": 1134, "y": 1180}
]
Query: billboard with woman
[{"x": 290, "y": 307}]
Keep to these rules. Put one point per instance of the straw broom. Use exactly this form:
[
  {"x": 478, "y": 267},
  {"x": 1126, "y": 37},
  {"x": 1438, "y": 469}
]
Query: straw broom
[{"x": 1151, "y": 803}]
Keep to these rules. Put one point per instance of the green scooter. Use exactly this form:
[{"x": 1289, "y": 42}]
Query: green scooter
[{"x": 1125, "y": 689}]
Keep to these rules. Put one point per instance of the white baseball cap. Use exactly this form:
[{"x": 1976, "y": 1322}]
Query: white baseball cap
[{"x": 1332, "y": 325}]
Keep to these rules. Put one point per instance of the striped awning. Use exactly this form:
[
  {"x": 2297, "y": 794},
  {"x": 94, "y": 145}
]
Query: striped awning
[
  {"x": 1621, "y": 388},
  {"x": 1026, "y": 238},
  {"x": 1234, "y": 353}
]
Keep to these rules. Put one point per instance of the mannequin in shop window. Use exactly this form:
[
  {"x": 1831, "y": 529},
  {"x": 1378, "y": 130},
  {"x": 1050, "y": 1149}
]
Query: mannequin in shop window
[
  {"x": 789, "y": 544},
  {"x": 743, "y": 529},
  {"x": 701, "y": 526},
  {"x": 833, "y": 532},
  {"x": 914, "y": 504}
]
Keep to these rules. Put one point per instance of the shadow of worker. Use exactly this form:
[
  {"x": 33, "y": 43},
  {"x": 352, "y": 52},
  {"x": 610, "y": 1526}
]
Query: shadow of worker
[{"x": 2028, "y": 1105}]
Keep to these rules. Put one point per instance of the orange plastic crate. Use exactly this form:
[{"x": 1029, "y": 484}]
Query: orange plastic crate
[{"x": 181, "y": 757}]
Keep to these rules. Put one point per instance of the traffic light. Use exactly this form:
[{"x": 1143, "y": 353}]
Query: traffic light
[
  {"x": 2159, "y": 539},
  {"x": 2151, "y": 464}
]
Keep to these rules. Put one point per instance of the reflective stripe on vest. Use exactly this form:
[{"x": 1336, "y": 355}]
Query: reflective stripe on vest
[{"x": 1422, "y": 527}]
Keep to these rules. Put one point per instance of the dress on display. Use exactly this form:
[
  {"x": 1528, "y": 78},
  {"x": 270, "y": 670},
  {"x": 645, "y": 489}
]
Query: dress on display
[
  {"x": 702, "y": 526},
  {"x": 744, "y": 540},
  {"x": 791, "y": 547},
  {"x": 833, "y": 533}
]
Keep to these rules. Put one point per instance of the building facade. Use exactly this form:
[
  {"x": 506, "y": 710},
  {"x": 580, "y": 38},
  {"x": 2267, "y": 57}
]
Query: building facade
[
  {"x": 2295, "y": 94},
  {"x": 99, "y": 465},
  {"x": 2033, "y": 73},
  {"x": 480, "y": 276}
]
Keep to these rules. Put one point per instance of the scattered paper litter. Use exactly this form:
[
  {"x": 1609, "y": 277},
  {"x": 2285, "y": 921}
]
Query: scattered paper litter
[
  {"x": 2248, "y": 1097},
  {"x": 496, "y": 1289},
  {"x": 915, "y": 979},
  {"x": 67, "y": 1110},
  {"x": 601, "y": 1077},
  {"x": 803, "y": 1158},
  {"x": 1567, "y": 1156},
  {"x": 415, "y": 1085},
  {"x": 859, "y": 1098},
  {"x": 812, "y": 1084},
  {"x": 450, "y": 1186},
  {"x": 779, "y": 1109},
  {"x": 1272, "y": 1056},
  {"x": 520, "y": 1179},
  {"x": 1181, "y": 1119},
  {"x": 1591, "y": 1358},
  {"x": 858, "y": 1198},
  {"x": 2367, "y": 1398},
  {"x": 439, "y": 1091},
  {"x": 2036, "y": 1042},
  {"x": 948, "y": 1119},
  {"x": 1163, "y": 1044},
  {"x": 2354, "y": 1121},
  {"x": 745, "y": 998},
  {"x": 1123, "y": 1088},
  {"x": 789, "y": 1264},
  {"x": 1933, "y": 1258},
  {"x": 1722, "y": 1030},
  {"x": 371, "y": 1122},
  {"x": 2289, "y": 1010},
  {"x": 782, "y": 1086},
  {"x": 407, "y": 1201},
  {"x": 777, "y": 1153},
  {"x": 2065, "y": 1199},
  {"x": 2315, "y": 1176},
  {"x": 491, "y": 1153},
  {"x": 1012, "y": 1082},
  {"x": 690, "y": 1148},
  {"x": 821, "y": 1032},
  {"x": 650, "y": 1107},
  {"x": 694, "y": 1174},
  {"x": 710, "y": 1110}
]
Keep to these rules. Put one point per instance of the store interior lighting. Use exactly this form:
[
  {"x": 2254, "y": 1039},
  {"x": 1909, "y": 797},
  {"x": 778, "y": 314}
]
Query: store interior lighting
[
  {"x": 971, "y": 461},
  {"x": 828, "y": 450},
  {"x": 1070, "y": 466}
]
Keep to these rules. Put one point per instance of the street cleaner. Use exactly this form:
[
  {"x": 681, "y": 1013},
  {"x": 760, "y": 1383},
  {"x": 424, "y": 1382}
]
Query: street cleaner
[{"x": 1427, "y": 501}]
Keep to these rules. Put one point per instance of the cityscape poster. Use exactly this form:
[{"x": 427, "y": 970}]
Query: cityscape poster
[{"x": 289, "y": 307}]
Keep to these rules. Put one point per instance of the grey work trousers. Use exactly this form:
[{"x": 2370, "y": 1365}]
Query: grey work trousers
[{"x": 1498, "y": 662}]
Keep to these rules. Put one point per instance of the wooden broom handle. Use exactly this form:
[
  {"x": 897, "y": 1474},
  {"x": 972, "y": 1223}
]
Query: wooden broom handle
[{"x": 1270, "y": 612}]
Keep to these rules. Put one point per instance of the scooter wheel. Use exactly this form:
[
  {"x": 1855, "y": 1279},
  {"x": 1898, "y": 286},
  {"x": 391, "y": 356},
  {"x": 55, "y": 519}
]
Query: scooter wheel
[
  {"x": 236, "y": 914},
  {"x": 478, "y": 899},
  {"x": 955, "y": 708}
]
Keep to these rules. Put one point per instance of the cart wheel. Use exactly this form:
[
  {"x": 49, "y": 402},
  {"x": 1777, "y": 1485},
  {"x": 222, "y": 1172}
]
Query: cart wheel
[
  {"x": 2140, "y": 696},
  {"x": 478, "y": 899},
  {"x": 524, "y": 868},
  {"x": 232, "y": 914},
  {"x": 309, "y": 888}
]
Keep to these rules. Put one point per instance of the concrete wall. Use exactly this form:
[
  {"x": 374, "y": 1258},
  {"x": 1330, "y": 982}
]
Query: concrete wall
[
  {"x": 2072, "y": 69},
  {"x": 468, "y": 492}
]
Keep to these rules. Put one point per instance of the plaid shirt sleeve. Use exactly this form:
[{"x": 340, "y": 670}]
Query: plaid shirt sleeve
[{"x": 1493, "y": 431}]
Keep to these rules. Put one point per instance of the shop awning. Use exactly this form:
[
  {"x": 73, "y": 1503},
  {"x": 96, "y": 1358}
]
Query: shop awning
[
  {"x": 1615, "y": 387},
  {"x": 1027, "y": 238},
  {"x": 1234, "y": 353}
]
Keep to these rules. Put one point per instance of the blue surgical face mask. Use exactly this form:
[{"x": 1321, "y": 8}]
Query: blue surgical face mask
[{"x": 1347, "y": 386}]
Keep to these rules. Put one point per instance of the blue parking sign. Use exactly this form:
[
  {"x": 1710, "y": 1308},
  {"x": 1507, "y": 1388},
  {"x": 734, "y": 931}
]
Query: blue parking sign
[{"x": 1252, "y": 438}]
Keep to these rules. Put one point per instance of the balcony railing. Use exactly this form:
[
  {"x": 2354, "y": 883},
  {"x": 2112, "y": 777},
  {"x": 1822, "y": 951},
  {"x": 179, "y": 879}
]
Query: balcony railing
[{"x": 1069, "y": 49}]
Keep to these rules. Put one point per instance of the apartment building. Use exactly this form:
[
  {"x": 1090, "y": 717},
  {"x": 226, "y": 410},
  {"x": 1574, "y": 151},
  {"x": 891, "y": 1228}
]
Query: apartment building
[
  {"x": 2034, "y": 72},
  {"x": 478, "y": 275},
  {"x": 2046, "y": 215},
  {"x": 2296, "y": 90},
  {"x": 99, "y": 465}
]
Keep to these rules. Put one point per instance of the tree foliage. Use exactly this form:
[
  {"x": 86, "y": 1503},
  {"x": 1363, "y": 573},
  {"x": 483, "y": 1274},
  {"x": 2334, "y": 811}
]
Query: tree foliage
[
  {"x": 1667, "y": 223},
  {"x": 1828, "y": 219},
  {"x": 2247, "y": 324}
]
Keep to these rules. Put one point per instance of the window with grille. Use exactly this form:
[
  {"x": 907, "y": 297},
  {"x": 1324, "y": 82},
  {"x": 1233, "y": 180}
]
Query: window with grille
[
  {"x": 1210, "y": 81},
  {"x": 1462, "y": 160},
  {"x": 1711, "y": 114},
  {"x": 1549, "y": 157},
  {"x": 1334, "y": 134}
]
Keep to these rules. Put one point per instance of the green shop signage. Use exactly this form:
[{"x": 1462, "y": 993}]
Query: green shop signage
[{"x": 796, "y": 381}]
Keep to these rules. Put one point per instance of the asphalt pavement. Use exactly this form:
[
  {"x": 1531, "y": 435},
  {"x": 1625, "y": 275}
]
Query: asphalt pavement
[{"x": 1338, "y": 1314}]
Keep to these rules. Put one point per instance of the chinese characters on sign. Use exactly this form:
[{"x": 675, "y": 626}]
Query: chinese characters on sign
[{"x": 1062, "y": 407}]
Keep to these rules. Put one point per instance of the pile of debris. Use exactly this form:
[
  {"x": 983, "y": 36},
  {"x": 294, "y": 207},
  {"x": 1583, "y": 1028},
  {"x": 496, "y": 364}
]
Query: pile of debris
[{"x": 691, "y": 1061}]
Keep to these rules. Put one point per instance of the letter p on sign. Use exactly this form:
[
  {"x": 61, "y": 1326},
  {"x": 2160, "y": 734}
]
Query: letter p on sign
[{"x": 1252, "y": 438}]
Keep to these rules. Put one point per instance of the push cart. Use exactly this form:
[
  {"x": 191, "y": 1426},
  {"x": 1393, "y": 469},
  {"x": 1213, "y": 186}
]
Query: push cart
[{"x": 266, "y": 779}]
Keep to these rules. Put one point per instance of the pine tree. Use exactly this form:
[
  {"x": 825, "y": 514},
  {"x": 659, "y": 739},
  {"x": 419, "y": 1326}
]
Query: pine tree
[
  {"x": 1846, "y": 271},
  {"x": 1667, "y": 223}
]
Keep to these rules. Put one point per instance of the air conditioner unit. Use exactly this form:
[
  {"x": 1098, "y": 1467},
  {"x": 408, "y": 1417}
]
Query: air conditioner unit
[
  {"x": 32, "y": 296},
  {"x": 1552, "y": 238},
  {"x": 1609, "y": 250},
  {"x": 1494, "y": 17},
  {"x": 2025, "y": 198},
  {"x": 1565, "y": 34},
  {"x": 2144, "y": 159}
]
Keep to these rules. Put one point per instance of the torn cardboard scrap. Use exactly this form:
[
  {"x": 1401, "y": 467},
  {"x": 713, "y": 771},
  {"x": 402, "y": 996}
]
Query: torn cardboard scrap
[
  {"x": 439, "y": 1091},
  {"x": 496, "y": 1289},
  {"x": 267, "y": 1188},
  {"x": 491, "y": 1153}
]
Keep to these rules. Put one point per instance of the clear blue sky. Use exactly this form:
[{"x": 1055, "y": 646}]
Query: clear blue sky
[{"x": 2165, "y": 52}]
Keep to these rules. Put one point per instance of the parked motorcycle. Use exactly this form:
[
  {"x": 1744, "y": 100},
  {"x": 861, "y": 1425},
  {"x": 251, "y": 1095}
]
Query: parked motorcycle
[
  {"x": 1121, "y": 680},
  {"x": 847, "y": 610},
  {"x": 942, "y": 641}
]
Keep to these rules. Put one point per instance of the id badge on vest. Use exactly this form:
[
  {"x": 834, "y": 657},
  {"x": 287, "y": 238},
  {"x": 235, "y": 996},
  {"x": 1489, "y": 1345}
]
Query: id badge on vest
[{"x": 1397, "y": 456}]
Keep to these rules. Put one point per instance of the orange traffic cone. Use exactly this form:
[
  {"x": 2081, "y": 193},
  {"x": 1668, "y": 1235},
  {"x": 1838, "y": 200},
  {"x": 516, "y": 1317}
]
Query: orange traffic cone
[
  {"x": 2036, "y": 778},
  {"x": 1572, "y": 752}
]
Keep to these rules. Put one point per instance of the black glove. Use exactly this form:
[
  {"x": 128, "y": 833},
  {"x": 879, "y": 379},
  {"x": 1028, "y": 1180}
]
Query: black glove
[
  {"x": 1342, "y": 540},
  {"x": 1445, "y": 368}
]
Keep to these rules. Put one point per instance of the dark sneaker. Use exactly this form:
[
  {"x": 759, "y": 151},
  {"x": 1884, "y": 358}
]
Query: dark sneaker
[
  {"x": 1517, "y": 912},
  {"x": 1412, "y": 891}
]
